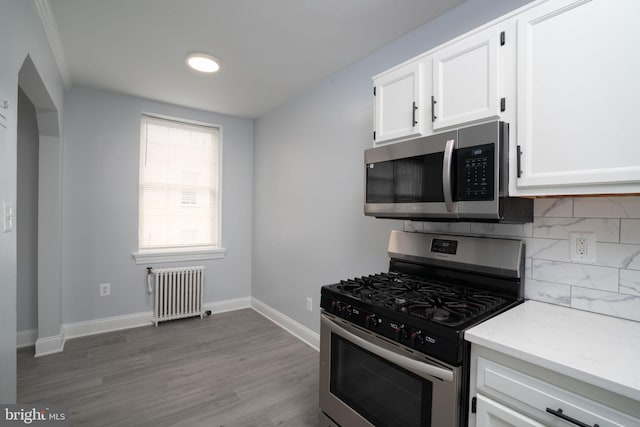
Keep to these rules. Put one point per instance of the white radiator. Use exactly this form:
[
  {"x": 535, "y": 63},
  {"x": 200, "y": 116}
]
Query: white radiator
[{"x": 179, "y": 292}]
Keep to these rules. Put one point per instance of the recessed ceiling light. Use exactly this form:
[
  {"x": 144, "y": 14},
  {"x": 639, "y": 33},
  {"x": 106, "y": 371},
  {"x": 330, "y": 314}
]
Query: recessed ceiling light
[{"x": 203, "y": 62}]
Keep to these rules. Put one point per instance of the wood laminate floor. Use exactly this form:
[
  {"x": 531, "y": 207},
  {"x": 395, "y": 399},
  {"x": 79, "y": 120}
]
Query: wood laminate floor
[{"x": 229, "y": 369}]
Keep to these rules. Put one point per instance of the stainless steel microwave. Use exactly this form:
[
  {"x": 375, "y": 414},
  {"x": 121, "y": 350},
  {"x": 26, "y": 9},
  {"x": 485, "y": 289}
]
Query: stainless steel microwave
[{"x": 460, "y": 175}]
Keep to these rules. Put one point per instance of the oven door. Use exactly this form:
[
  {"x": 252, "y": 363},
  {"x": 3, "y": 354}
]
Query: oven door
[{"x": 366, "y": 380}]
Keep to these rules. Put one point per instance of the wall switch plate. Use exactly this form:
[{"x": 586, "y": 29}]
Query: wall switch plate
[
  {"x": 309, "y": 304},
  {"x": 7, "y": 217},
  {"x": 4, "y": 107},
  {"x": 582, "y": 247},
  {"x": 105, "y": 289}
]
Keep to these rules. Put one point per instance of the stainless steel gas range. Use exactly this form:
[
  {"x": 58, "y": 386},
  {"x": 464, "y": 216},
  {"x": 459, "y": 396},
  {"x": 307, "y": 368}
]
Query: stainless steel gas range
[{"x": 392, "y": 349}]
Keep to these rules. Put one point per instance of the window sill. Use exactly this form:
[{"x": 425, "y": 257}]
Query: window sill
[{"x": 150, "y": 256}]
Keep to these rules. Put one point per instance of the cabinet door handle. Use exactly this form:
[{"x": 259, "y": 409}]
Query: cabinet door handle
[
  {"x": 413, "y": 119},
  {"x": 433, "y": 108},
  {"x": 558, "y": 413}
]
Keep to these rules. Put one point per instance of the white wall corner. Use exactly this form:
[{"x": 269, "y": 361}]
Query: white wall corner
[
  {"x": 53, "y": 36},
  {"x": 298, "y": 330},
  {"x": 50, "y": 345}
]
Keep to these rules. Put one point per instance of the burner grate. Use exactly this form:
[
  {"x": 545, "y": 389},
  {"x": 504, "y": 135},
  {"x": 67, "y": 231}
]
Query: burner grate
[{"x": 446, "y": 304}]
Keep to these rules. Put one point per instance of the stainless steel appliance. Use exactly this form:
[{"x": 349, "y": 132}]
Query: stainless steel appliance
[
  {"x": 392, "y": 350},
  {"x": 457, "y": 175}
]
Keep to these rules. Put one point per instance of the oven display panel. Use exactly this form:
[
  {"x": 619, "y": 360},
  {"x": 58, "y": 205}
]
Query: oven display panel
[{"x": 444, "y": 246}]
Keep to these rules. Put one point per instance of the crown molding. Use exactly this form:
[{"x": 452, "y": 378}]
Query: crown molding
[{"x": 51, "y": 30}]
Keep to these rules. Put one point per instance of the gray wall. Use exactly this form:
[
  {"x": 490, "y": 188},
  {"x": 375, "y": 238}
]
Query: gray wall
[
  {"x": 27, "y": 205},
  {"x": 100, "y": 205},
  {"x": 22, "y": 35},
  {"x": 309, "y": 226}
]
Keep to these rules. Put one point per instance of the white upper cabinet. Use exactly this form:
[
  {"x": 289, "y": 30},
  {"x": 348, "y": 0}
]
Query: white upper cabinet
[
  {"x": 399, "y": 103},
  {"x": 578, "y": 68},
  {"x": 461, "y": 83},
  {"x": 466, "y": 79}
]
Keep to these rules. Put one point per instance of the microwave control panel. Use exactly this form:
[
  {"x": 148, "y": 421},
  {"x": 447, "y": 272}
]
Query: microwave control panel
[{"x": 475, "y": 173}]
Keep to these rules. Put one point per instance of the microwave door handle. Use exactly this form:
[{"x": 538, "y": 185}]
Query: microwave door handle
[{"x": 446, "y": 174}]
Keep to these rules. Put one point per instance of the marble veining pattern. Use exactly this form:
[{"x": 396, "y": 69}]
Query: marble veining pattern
[
  {"x": 561, "y": 208},
  {"x": 630, "y": 282},
  {"x": 618, "y": 255},
  {"x": 607, "y": 230},
  {"x": 587, "y": 276},
  {"x": 549, "y": 249},
  {"x": 606, "y": 207},
  {"x": 609, "y": 286},
  {"x": 552, "y": 293},
  {"x": 609, "y": 303}
]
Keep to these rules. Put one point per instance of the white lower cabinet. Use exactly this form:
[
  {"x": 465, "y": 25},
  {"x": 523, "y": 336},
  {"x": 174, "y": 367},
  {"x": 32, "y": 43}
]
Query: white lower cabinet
[
  {"x": 493, "y": 414},
  {"x": 515, "y": 396}
]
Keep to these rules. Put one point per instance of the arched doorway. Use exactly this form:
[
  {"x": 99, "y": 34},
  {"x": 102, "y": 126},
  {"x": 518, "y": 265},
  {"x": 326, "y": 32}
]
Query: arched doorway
[{"x": 49, "y": 205}]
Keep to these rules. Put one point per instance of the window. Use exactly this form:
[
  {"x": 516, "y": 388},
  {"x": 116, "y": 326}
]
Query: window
[{"x": 179, "y": 194}]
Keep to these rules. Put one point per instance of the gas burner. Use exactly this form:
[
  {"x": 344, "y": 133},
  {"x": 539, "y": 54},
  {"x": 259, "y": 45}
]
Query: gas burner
[{"x": 440, "y": 315}]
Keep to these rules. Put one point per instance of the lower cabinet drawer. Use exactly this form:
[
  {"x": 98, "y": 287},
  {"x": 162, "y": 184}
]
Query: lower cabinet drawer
[
  {"x": 493, "y": 414},
  {"x": 552, "y": 405}
]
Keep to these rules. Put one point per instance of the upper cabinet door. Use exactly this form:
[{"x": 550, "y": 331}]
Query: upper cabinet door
[
  {"x": 398, "y": 103},
  {"x": 465, "y": 80},
  {"x": 579, "y": 97}
]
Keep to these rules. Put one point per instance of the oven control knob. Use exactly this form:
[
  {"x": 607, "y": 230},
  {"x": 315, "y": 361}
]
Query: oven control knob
[
  {"x": 372, "y": 321},
  {"x": 346, "y": 311},
  {"x": 396, "y": 332},
  {"x": 335, "y": 307},
  {"x": 405, "y": 332},
  {"x": 400, "y": 332},
  {"x": 417, "y": 339}
]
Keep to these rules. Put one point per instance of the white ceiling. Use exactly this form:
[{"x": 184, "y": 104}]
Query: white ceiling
[{"x": 271, "y": 50}]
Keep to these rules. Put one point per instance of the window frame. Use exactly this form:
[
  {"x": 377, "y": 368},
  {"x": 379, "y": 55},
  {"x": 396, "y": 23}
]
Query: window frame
[{"x": 185, "y": 253}]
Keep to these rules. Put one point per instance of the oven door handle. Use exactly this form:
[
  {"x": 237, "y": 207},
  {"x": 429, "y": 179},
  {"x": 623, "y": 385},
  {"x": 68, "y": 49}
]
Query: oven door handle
[{"x": 418, "y": 367}]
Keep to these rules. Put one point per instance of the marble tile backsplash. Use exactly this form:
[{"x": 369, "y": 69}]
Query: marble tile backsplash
[{"x": 609, "y": 286}]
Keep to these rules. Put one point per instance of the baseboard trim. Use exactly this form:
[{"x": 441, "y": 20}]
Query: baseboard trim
[
  {"x": 26, "y": 338},
  {"x": 55, "y": 344},
  {"x": 296, "y": 329},
  {"x": 107, "y": 324},
  {"x": 50, "y": 345},
  {"x": 228, "y": 305}
]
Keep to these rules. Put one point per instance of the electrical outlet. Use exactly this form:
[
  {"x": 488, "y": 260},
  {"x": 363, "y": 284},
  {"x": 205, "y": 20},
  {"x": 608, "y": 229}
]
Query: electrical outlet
[
  {"x": 309, "y": 304},
  {"x": 105, "y": 289},
  {"x": 582, "y": 247}
]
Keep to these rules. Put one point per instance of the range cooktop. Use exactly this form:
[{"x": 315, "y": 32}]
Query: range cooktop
[{"x": 437, "y": 286}]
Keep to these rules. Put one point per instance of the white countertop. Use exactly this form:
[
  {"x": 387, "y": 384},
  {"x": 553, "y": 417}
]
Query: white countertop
[{"x": 599, "y": 350}]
